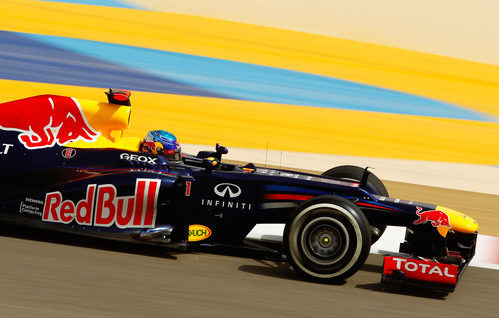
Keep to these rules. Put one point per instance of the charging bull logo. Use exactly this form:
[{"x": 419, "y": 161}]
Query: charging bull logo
[
  {"x": 437, "y": 218},
  {"x": 46, "y": 120}
]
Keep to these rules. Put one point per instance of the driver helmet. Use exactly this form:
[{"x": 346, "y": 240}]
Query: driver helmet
[{"x": 162, "y": 142}]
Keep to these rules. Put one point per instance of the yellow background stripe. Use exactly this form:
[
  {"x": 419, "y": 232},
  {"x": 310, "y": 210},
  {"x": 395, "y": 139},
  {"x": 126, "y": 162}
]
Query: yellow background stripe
[{"x": 202, "y": 120}]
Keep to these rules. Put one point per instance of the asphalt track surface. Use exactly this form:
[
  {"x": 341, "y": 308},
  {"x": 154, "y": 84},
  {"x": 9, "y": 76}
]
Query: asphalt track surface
[{"x": 60, "y": 275}]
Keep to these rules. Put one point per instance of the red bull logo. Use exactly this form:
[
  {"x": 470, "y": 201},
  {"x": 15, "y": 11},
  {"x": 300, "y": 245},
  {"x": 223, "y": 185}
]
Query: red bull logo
[
  {"x": 437, "y": 218},
  {"x": 46, "y": 120},
  {"x": 103, "y": 207}
]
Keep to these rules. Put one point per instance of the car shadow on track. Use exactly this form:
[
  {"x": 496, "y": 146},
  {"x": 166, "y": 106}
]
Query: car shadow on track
[
  {"x": 284, "y": 270},
  {"x": 281, "y": 269},
  {"x": 28, "y": 233},
  {"x": 269, "y": 266},
  {"x": 372, "y": 268},
  {"x": 404, "y": 290},
  {"x": 271, "y": 269},
  {"x": 278, "y": 270}
]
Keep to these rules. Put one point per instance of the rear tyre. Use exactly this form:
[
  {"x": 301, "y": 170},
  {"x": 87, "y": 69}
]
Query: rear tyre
[
  {"x": 374, "y": 185},
  {"x": 327, "y": 239}
]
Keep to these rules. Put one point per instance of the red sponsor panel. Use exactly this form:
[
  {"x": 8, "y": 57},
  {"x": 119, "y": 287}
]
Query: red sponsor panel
[
  {"x": 421, "y": 270},
  {"x": 283, "y": 196},
  {"x": 103, "y": 207}
]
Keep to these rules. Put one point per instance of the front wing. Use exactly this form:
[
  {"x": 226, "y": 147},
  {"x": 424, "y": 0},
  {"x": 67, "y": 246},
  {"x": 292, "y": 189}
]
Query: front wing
[{"x": 410, "y": 270}]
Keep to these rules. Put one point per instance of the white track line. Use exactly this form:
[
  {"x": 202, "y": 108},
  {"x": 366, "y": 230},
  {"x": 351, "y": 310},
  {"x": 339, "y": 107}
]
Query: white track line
[{"x": 487, "y": 251}]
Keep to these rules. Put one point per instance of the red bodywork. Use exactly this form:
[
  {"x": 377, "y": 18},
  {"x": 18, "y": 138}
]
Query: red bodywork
[{"x": 414, "y": 269}]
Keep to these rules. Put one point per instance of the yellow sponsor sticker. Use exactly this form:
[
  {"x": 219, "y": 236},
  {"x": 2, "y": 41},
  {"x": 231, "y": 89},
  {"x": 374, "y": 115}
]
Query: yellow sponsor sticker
[{"x": 198, "y": 232}]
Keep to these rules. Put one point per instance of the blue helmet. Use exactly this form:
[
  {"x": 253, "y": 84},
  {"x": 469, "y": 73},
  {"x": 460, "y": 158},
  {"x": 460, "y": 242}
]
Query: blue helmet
[{"x": 163, "y": 143}]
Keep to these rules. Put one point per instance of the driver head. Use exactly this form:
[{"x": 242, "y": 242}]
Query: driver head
[{"x": 163, "y": 143}]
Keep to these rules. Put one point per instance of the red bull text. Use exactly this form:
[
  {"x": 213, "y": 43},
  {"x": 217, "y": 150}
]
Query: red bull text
[
  {"x": 102, "y": 207},
  {"x": 46, "y": 120}
]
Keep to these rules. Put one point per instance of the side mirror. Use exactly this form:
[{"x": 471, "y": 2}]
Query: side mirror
[{"x": 221, "y": 150}]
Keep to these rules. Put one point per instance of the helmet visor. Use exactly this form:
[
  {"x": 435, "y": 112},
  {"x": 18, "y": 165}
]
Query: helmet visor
[{"x": 173, "y": 155}]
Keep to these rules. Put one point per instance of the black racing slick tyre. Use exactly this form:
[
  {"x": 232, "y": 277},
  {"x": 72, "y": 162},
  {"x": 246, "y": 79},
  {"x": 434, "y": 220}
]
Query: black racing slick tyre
[
  {"x": 327, "y": 239},
  {"x": 374, "y": 185}
]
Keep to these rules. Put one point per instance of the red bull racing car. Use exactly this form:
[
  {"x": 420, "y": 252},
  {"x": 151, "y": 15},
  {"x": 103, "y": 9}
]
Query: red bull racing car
[{"x": 69, "y": 168}]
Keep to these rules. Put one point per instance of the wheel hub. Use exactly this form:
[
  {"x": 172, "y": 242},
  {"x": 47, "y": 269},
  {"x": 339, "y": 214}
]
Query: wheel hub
[{"x": 324, "y": 241}]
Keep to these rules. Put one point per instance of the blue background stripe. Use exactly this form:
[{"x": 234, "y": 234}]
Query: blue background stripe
[
  {"x": 26, "y": 59},
  {"x": 261, "y": 83}
]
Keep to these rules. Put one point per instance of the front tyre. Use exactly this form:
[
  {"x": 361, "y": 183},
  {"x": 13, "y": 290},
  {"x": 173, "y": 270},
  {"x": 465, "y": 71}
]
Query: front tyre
[{"x": 327, "y": 239}]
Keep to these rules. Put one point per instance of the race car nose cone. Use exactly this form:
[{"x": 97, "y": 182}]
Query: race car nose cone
[{"x": 458, "y": 221}]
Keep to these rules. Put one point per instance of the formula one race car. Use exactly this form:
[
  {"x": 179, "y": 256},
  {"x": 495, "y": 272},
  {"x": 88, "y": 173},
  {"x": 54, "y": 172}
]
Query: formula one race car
[{"x": 66, "y": 166}]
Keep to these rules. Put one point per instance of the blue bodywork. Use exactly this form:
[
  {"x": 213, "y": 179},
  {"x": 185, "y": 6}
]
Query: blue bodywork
[{"x": 263, "y": 195}]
